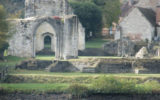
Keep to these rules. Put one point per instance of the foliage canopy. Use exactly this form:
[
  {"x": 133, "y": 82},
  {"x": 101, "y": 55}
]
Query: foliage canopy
[
  {"x": 4, "y": 27},
  {"x": 110, "y": 10},
  {"x": 89, "y": 15}
]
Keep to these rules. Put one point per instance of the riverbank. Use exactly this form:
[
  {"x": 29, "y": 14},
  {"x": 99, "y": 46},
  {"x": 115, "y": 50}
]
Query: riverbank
[{"x": 68, "y": 97}]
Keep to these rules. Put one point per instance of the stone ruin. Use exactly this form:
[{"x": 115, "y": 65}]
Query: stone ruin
[
  {"x": 53, "y": 18},
  {"x": 142, "y": 53},
  {"x": 123, "y": 48}
]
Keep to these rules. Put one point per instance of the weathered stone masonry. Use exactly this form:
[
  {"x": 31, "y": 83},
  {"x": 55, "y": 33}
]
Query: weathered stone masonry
[{"x": 53, "y": 18}]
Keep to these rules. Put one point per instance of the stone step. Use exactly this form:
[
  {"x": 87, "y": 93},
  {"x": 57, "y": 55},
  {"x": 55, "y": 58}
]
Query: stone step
[{"x": 88, "y": 70}]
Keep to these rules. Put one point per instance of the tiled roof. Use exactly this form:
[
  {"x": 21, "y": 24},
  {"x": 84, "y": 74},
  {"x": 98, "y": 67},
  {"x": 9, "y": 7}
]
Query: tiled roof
[{"x": 149, "y": 14}]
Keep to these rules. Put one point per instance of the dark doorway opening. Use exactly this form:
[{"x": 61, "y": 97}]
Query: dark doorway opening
[{"x": 47, "y": 42}]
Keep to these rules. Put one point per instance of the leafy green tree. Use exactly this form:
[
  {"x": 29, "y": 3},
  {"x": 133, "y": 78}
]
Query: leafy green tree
[
  {"x": 111, "y": 11},
  {"x": 90, "y": 16},
  {"x": 4, "y": 27}
]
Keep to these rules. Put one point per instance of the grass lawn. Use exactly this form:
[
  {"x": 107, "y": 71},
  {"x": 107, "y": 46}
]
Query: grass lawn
[
  {"x": 95, "y": 43},
  {"x": 45, "y": 57},
  {"x": 10, "y": 61},
  {"x": 79, "y": 58},
  {"x": 75, "y": 74},
  {"x": 25, "y": 76},
  {"x": 36, "y": 87}
]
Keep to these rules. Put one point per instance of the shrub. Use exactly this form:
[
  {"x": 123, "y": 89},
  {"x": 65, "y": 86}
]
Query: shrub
[
  {"x": 78, "y": 90},
  {"x": 113, "y": 85},
  {"x": 152, "y": 86}
]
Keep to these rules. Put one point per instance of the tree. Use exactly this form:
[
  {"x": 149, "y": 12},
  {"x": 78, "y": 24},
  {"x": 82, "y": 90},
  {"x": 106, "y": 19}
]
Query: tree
[
  {"x": 4, "y": 27},
  {"x": 110, "y": 11},
  {"x": 90, "y": 16}
]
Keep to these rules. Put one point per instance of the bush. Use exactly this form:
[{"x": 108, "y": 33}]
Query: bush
[
  {"x": 78, "y": 90},
  {"x": 152, "y": 86},
  {"x": 90, "y": 16},
  {"x": 113, "y": 85}
]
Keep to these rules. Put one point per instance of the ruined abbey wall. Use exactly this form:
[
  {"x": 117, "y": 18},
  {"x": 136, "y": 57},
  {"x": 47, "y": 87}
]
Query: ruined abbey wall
[
  {"x": 55, "y": 19},
  {"x": 47, "y": 8}
]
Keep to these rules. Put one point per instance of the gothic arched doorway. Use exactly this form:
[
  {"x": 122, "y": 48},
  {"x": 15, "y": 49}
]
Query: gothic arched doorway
[
  {"x": 48, "y": 46},
  {"x": 45, "y": 40}
]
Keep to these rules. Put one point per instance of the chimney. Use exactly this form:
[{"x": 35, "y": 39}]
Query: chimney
[{"x": 158, "y": 14}]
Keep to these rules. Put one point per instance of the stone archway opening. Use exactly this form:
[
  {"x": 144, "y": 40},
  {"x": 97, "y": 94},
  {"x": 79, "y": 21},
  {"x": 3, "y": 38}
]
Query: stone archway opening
[
  {"x": 45, "y": 40},
  {"x": 48, "y": 43}
]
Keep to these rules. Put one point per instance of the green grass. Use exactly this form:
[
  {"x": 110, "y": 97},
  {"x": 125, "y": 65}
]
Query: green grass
[
  {"x": 95, "y": 43},
  {"x": 102, "y": 84},
  {"x": 36, "y": 87},
  {"x": 26, "y": 81},
  {"x": 25, "y": 76},
  {"x": 74, "y": 74},
  {"x": 45, "y": 57},
  {"x": 106, "y": 57},
  {"x": 10, "y": 61},
  {"x": 79, "y": 58}
]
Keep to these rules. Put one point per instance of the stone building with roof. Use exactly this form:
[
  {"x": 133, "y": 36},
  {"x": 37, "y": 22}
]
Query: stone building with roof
[{"x": 139, "y": 20}]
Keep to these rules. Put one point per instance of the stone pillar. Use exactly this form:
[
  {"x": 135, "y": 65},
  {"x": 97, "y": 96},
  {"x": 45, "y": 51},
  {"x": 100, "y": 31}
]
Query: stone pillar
[
  {"x": 75, "y": 37},
  {"x": 59, "y": 44},
  {"x": 81, "y": 36},
  {"x": 71, "y": 38},
  {"x": 120, "y": 43}
]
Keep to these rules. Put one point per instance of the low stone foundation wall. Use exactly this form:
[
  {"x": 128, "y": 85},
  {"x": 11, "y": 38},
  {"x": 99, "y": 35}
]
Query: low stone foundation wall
[
  {"x": 114, "y": 68},
  {"x": 97, "y": 65},
  {"x": 34, "y": 64}
]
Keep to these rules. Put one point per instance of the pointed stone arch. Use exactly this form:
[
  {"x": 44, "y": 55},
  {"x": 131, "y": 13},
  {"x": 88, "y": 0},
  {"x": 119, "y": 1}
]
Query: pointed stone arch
[
  {"x": 45, "y": 29},
  {"x": 55, "y": 29}
]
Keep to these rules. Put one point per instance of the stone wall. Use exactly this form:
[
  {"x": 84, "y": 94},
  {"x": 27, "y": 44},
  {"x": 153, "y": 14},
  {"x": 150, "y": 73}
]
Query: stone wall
[
  {"x": 96, "y": 65},
  {"x": 47, "y": 8},
  {"x": 21, "y": 41},
  {"x": 52, "y": 18},
  {"x": 26, "y": 41},
  {"x": 124, "y": 48},
  {"x": 29, "y": 37}
]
